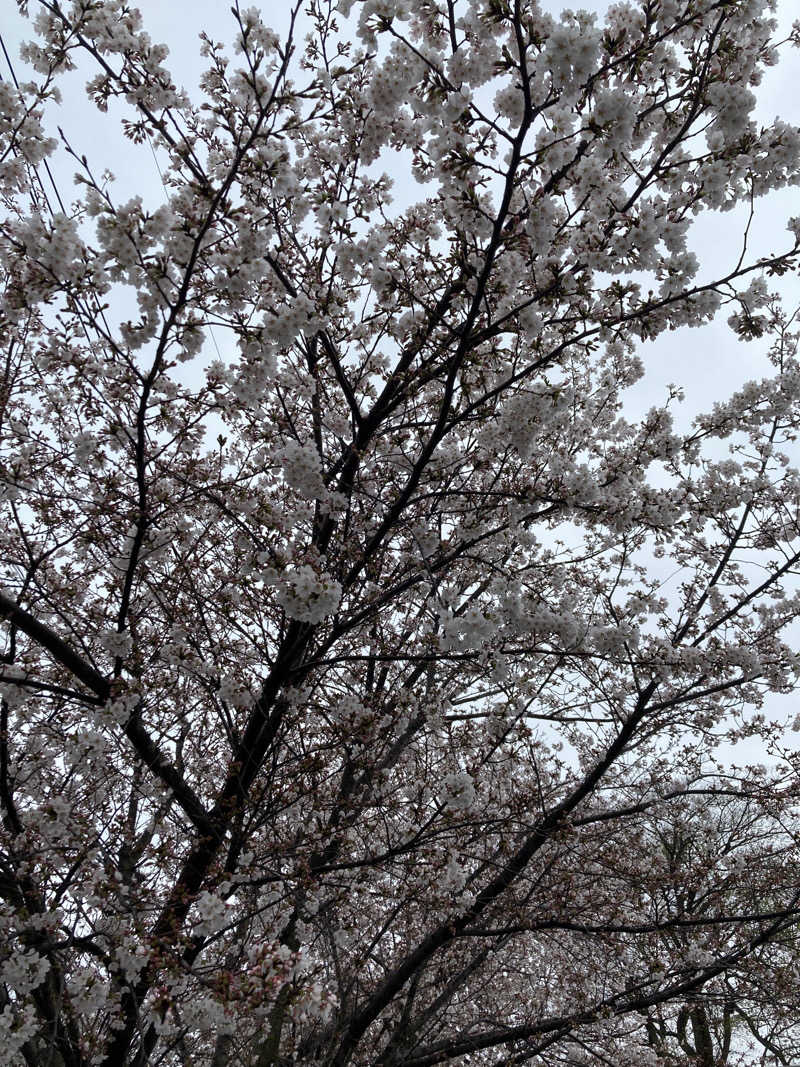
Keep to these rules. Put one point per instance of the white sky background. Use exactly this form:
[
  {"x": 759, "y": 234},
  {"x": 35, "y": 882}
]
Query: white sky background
[
  {"x": 709, "y": 363},
  {"x": 706, "y": 362}
]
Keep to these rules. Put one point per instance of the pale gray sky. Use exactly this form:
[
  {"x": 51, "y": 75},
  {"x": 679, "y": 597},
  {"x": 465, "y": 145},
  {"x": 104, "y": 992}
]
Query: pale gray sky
[
  {"x": 709, "y": 363},
  {"x": 698, "y": 359}
]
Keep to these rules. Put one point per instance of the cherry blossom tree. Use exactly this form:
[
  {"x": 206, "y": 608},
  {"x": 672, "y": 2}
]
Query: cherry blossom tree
[{"x": 367, "y": 653}]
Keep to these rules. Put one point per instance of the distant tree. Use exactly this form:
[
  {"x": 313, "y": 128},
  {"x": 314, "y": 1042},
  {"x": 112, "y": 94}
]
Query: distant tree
[
  {"x": 716, "y": 858},
  {"x": 366, "y": 657}
]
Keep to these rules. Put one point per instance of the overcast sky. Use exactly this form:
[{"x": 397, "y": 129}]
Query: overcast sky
[
  {"x": 697, "y": 359},
  {"x": 709, "y": 363}
]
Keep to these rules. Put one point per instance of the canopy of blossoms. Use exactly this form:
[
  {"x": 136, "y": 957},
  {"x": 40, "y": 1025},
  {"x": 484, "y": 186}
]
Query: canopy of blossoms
[{"x": 367, "y": 655}]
